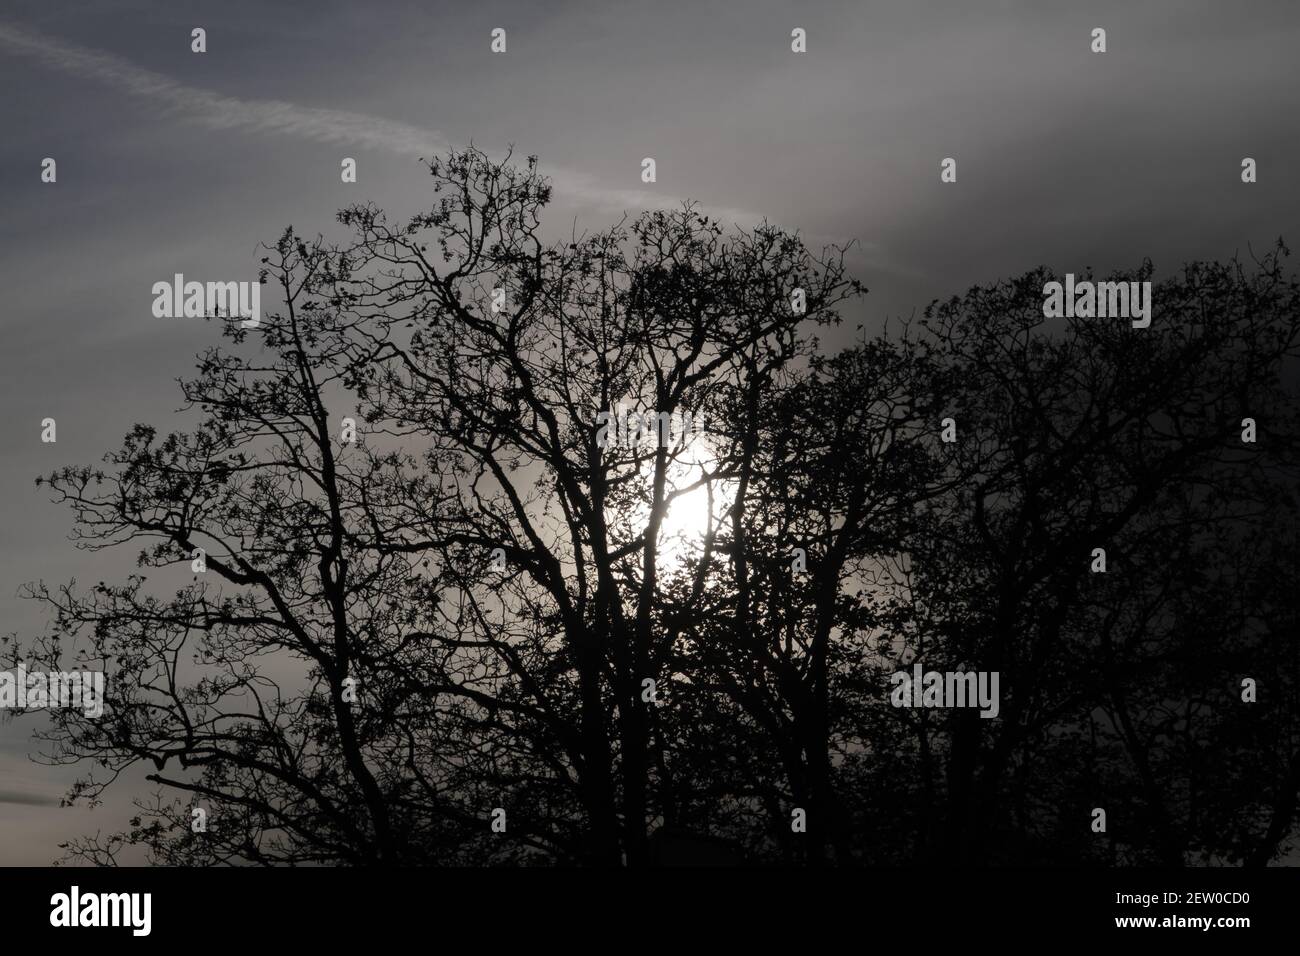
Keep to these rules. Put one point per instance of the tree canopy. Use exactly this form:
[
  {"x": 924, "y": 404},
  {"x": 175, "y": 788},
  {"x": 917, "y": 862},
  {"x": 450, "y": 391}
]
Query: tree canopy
[{"x": 667, "y": 650}]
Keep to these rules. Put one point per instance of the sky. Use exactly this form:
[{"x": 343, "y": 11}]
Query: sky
[{"x": 173, "y": 161}]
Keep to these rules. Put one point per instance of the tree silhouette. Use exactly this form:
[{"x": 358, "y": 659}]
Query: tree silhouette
[{"x": 480, "y": 613}]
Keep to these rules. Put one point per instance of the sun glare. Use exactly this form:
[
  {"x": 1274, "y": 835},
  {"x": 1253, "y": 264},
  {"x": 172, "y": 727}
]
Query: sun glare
[{"x": 690, "y": 515}]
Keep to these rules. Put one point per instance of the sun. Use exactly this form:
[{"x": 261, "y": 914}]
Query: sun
[{"x": 692, "y": 514}]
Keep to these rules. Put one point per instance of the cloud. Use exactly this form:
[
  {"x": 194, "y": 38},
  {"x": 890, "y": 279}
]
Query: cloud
[
  {"x": 28, "y": 799},
  {"x": 224, "y": 112},
  {"x": 291, "y": 119}
]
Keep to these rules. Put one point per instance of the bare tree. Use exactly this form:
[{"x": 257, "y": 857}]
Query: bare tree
[{"x": 443, "y": 604}]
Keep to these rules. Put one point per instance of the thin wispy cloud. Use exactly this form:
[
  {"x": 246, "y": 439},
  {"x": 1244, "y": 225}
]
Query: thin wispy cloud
[
  {"x": 224, "y": 112},
  {"x": 27, "y": 799},
  {"x": 218, "y": 111}
]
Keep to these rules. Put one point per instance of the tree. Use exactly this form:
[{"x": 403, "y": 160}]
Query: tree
[
  {"x": 449, "y": 609},
  {"x": 519, "y": 684},
  {"x": 1099, "y": 435}
]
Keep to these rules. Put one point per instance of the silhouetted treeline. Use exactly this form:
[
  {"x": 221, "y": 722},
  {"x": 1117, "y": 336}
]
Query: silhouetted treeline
[{"x": 481, "y": 606}]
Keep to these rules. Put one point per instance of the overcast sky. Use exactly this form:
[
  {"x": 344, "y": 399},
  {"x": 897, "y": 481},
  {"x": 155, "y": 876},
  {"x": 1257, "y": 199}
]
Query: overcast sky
[{"x": 171, "y": 161}]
